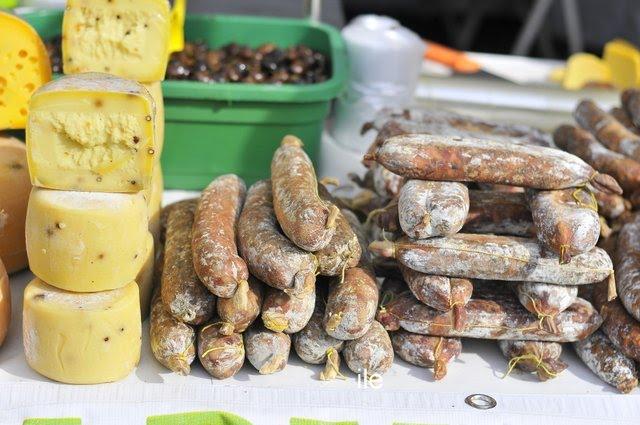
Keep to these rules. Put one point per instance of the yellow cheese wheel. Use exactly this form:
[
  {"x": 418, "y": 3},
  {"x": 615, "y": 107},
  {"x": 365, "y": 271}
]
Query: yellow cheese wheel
[
  {"x": 145, "y": 279},
  {"x": 91, "y": 132},
  {"x": 86, "y": 242},
  {"x": 154, "y": 202},
  {"x": 5, "y": 303},
  {"x": 623, "y": 59},
  {"x": 24, "y": 66},
  {"x": 81, "y": 338},
  {"x": 14, "y": 195},
  {"x": 155, "y": 90},
  {"x": 121, "y": 37},
  {"x": 583, "y": 69}
]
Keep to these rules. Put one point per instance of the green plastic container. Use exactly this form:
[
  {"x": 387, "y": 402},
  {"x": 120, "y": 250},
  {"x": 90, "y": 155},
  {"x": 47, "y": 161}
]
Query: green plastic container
[{"x": 213, "y": 129}]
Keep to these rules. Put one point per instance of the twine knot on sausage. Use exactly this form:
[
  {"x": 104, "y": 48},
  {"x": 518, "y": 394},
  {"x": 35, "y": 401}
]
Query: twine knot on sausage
[
  {"x": 334, "y": 321},
  {"x": 332, "y": 367},
  {"x": 550, "y": 318},
  {"x": 539, "y": 364}
]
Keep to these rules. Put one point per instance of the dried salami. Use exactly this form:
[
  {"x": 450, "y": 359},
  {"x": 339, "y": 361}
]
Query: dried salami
[{"x": 426, "y": 351}]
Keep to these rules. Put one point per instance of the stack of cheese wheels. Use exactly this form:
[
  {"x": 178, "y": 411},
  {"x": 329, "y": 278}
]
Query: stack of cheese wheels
[{"x": 92, "y": 156}]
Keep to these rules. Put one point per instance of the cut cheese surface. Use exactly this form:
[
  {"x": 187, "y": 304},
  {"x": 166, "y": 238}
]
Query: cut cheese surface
[
  {"x": 24, "y": 66},
  {"x": 86, "y": 242},
  {"x": 145, "y": 279},
  {"x": 81, "y": 338},
  {"x": 154, "y": 201},
  {"x": 91, "y": 132},
  {"x": 127, "y": 38},
  {"x": 14, "y": 195},
  {"x": 155, "y": 90}
]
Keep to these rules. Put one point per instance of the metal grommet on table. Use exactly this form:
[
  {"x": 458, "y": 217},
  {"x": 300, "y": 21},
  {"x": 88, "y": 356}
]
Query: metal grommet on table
[{"x": 481, "y": 401}]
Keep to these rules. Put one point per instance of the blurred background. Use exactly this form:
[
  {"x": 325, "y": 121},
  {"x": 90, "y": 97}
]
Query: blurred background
[{"x": 493, "y": 26}]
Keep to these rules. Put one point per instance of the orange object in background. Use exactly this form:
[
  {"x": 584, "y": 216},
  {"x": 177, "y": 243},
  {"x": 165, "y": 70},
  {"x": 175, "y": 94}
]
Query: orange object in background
[{"x": 455, "y": 59}]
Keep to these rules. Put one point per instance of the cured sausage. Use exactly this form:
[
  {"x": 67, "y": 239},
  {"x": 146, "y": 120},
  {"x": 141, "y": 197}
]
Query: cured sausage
[
  {"x": 395, "y": 299},
  {"x": 443, "y": 158},
  {"x": 611, "y": 205},
  {"x": 267, "y": 351},
  {"x": 566, "y": 221},
  {"x": 215, "y": 254},
  {"x": 581, "y": 143},
  {"x": 351, "y": 305},
  {"x": 546, "y": 301},
  {"x": 343, "y": 250},
  {"x": 239, "y": 311},
  {"x": 186, "y": 298},
  {"x": 173, "y": 343},
  {"x": 386, "y": 183},
  {"x": 288, "y": 313},
  {"x": 440, "y": 292},
  {"x": 307, "y": 220},
  {"x": 609, "y": 131},
  {"x": 627, "y": 263},
  {"x": 494, "y": 257},
  {"x": 426, "y": 351},
  {"x": 427, "y": 209},
  {"x": 315, "y": 346},
  {"x": 540, "y": 357},
  {"x": 270, "y": 256},
  {"x": 621, "y": 115},
  {"x": 499, "y": 213},
  {"x": 372, "y": 352},
  {"x": 602, "y": 357},
  {"x": 498, "y": 316},
  {"x": 630, "y": 99},
  {"x": 220, "y": 355},
  {"x": 622, "y": 329}
]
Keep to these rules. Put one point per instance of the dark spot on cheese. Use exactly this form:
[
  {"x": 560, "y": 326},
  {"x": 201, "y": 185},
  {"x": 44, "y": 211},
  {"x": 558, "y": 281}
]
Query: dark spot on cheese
[
  {"x": 106, "y": 339},
  {"x": 39, "y": 297},
  {"x": 50, "y": 232},
  {"x": 118, "y": 17},
  {"x": 128, "y": 32},
  {"x": 98, "y": 103},
  {"x": 59, "y": 225},
  {"x": 146, "y": 25},
  {"x": 99, "y": 179},
  {"x": 122, "y": 329},
  {"x": 148, "y": 118},
  {"x": 107, "y": 69},
  {"x": 16, "y": 166},
  {"x": 136, "y": 139},
  {"x": 23, "y": 53},
  {"x": 135, "y": 257},
  {"x": 133, "y": 182},
  {"x": 151, "y": 151},
  {"x": 97, "y": 19},
  {"x": 100, "y": 256}
]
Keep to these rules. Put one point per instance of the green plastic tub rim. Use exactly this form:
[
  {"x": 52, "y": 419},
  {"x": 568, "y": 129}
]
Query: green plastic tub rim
[{"x": 48, "y": 22}]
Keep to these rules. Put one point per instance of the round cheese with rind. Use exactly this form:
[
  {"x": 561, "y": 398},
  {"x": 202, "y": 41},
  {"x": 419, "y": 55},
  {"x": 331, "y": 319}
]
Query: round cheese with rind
[
  {"x": 86, "y": 242},
  {"x": 14, "y": 195},
  {"x": 81, "y": 338}
]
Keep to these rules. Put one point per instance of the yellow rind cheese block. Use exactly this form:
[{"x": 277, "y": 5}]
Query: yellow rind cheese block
[
  {"x": 145, "y": 279},
  {"x": 127, "y": 38},
  {"x": 623, "y": 59},
  {"x": 14, "y": 195},
  {"x": 81, "y": 338},
  {"x": 154, "y": 202},
  {"x": 24, "y": 66},
  {"x": 5, "y": 303},
  {"x": 91, "y": 132},
  {"x": 86, "y": 242},
  {"x": 155, "y": 90}
]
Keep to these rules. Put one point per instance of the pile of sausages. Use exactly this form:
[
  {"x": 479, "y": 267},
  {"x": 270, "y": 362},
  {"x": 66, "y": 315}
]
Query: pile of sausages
[
  {"x": 249, "y": 273},
  {"x": 610, "y": 143},
  {"x": 482, "y": 231}
]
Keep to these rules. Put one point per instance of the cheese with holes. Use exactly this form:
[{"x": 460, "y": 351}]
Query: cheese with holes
[
  {"x": 86, "y": 242},
  {"x": 145, "y": 279},
  {"x": 91, "y": 132},
  {"x": 154, "y": 202},
  {"x": 14, "y": 195},
  {"x": 126, "y": 38},
  {"x": 5, "y": 303},
  {"x": 155, "y": 90},
  {"x": 81, "y": 338},
  {"x": 24, "y": 66}
]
